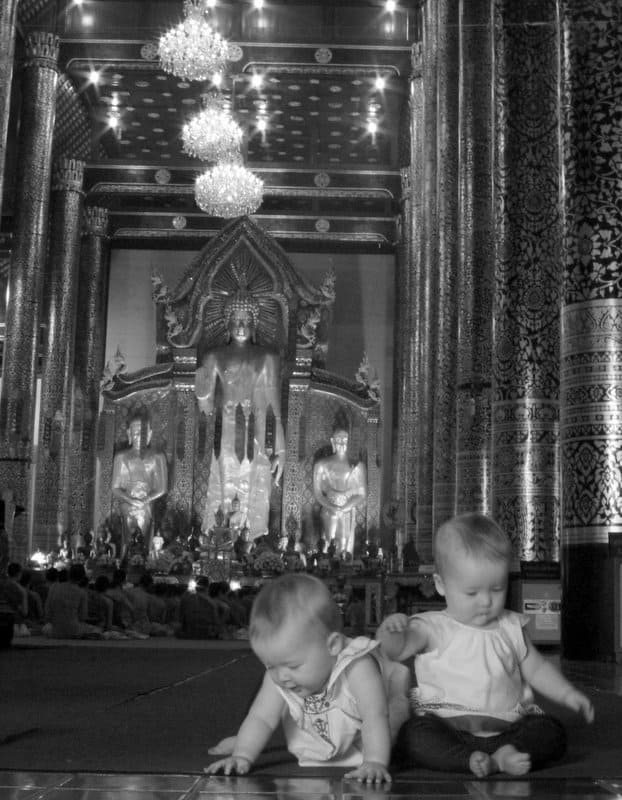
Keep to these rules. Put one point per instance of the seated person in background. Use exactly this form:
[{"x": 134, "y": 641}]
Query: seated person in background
[
  {"x": 34, "y": 618},
  {"x": 174, "y": 594},
  {"x": 231, "y": 613},
  {"x": 18, "y": 597},
  {"x": 199, "y": 616},
  {"x": 42, "y": 587},
  {"x": 476, "y": 667},
  {"x": 13, "y": 605},
  {"x": 100, "y": 606},
  {"x": 66, "y": 609},
  {"x": 140, "y": 597},
  {"x": 123, "y": 610},
  {"x": 157, "y": 603},
  {"x": 339, "y": 703}
]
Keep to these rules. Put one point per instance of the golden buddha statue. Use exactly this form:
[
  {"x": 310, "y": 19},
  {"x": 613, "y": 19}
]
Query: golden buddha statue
[
  {"x": 139, "y": 477},
  {"x": 240, "y": 382},
  {"x": 339, "y": 488}
]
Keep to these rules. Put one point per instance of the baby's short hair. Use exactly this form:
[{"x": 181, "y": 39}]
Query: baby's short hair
[
  {"x": 298, "y": 595},
  {"x": 474, "y": 534}
]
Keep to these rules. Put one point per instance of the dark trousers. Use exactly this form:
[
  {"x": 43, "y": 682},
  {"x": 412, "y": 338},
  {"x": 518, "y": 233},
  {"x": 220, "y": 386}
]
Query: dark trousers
[{"x": 428, "y": 741}]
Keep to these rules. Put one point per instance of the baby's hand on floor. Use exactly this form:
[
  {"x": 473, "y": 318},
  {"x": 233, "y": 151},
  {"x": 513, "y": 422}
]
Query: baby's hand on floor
[
  {"x": 233, "y": 765},
  {"x": 369, "y": 772}
]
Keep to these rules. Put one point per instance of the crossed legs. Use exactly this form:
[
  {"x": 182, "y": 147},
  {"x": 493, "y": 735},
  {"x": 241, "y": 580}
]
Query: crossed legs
[{"x": 530, "y": 743}]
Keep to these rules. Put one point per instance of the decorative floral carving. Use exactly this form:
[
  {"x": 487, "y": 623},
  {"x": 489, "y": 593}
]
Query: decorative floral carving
[
  {"x": 367, "y": 379},
  {"x": 114, "y": 367}
]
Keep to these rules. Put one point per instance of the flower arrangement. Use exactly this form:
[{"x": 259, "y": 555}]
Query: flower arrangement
[{"x": 268, "y": 562}]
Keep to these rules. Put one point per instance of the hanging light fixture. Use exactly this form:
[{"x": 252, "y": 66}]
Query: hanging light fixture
[
  {"x": 228, "y": 190},
  {"x": 193, "y": 50},
  {"x": 213, "y": 135}
]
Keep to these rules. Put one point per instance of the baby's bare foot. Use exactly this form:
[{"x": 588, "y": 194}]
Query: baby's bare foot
[
  {"x": 508, "y": 759},
  {"x": 481, "y": 764},
  {"x": 223, "y": 748}
]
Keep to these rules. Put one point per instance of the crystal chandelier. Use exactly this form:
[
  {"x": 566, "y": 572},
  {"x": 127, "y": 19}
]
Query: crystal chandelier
[
  {"x": 212, "y": 135},
  {"x": 192, "y": 50},
  {"x": 228, "y": 190}
]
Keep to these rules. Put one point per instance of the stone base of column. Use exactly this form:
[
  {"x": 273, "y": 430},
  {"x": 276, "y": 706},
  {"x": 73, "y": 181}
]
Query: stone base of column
[{"x": 588, "y": 603}]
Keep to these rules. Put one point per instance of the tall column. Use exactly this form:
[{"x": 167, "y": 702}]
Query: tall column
[
  {"x": 407, "y": 277},
  {"x": 476, "y": 257},
  {"x": 8, "y": 18},
  {"x": 445, "y": 301},
  {"x": 89, "y": 363},
  {"x": 591, "y": 343},
  {"x": 29, "y": 249},
  {"x": 52, "y": 484},
  {"x": 528, "y": 268},
  {"x": 428, "y": 260}
]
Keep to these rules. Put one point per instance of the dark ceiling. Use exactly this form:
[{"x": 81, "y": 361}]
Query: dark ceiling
[{"x": 329, "y": 183}]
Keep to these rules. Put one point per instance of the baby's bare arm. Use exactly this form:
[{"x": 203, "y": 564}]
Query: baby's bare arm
[
  {"x": 368, "y": 689},
  {"x": 546, "y": 679},
  {"x": 259, "y": 724},
  {"x": 401, "y": 637}
]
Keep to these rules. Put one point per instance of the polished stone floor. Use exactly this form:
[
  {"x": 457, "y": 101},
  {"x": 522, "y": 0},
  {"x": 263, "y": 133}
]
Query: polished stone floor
[
  {"x": 604, "y": 679},
  {"x": 92, "y": 786}
]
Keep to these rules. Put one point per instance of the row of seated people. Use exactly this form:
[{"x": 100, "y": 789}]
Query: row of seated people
[{"x": 66, "y": 605}]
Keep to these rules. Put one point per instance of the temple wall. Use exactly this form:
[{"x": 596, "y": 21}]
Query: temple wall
[{"x": 362, "y": 314}]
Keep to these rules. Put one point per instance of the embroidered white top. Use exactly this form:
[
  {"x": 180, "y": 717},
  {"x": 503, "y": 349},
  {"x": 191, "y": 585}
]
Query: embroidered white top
[
  {"x": 326, "y": 727},
  {"x": 471, "y": 676}
]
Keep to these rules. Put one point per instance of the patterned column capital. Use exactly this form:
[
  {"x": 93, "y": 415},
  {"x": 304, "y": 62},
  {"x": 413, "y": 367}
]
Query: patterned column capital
[
  {"x": 95, "y": 221},
  {"x": 41, "y": 50},
  {"x": 68, "y": 174}
]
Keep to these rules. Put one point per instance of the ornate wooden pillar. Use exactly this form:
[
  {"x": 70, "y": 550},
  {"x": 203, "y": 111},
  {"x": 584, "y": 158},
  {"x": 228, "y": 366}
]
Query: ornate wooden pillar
[
  {"x": 30, "y": 223},
  {"x": 89, "y": 363},
  {"x": 445, "y": 301},
  {"x": 29, "y": 249},
  {"x": 428, "y": 290},
  {"x": 61, "y": 291},
  {"x": 591, "y": 341},
  {"x": 476, "y": 257},
  {"x": 528, "y": 268},
  {"x": 8, "y": 18},
  {"x": 407, "y": 279}
]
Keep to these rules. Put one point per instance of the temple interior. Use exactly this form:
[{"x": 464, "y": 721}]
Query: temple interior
[{"x": 284, "y": 287}]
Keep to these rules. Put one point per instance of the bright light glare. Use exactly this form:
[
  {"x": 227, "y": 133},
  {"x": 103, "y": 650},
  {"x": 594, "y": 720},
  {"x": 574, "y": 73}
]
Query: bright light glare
[
  {"x": 217, "y": 79},
  {"x": 372, "y": 126},
  {"x": 39, "y": 558},
  {"x": 380, "y": 83},
  {"x": 262, "y": 125},
  {"x": 258, "y": 4},
  {"x": 87, "y": 20},
  {"x": 256, "y": 80},
  {"x": 390, "y": 6}
]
